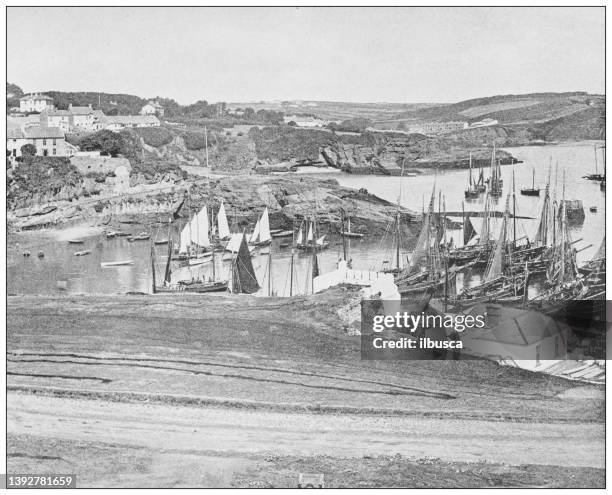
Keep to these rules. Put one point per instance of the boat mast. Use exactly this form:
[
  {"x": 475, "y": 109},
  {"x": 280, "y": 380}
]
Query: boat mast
[
  {"x": 513, "y": 211},
  {"x": 595, "y": 149},
  {"x": 153, "y": 268},
  {"x": 270, "y": 271},
  {"x": 291, "y": 263}
]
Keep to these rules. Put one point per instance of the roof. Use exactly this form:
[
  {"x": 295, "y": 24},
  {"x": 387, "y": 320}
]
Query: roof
[
  {"x": 38, "y": 132},
  {"x": 154, "y": 104},
  {"x": 14, "y": 133},
  {"x": 80, "y": 110},
  {"x": 132, "y": 119},
  {"x": 63, "y": 113},
  {"x": 35, "y": 97}
]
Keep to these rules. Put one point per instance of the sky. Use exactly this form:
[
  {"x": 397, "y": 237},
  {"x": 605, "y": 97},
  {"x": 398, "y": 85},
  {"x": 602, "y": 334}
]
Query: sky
[{"x": 358, "y": 54}]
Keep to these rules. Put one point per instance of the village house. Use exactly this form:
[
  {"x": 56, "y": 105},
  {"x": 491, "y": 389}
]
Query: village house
[
  {"x": 49, "y": 141},
  {"x": 81, "y": 117},
  {"x": 118, "y": 122},
  {"x": 152, "y": 108},
  {"x": 305, "y": 120},
  {"x": 35, "y": 103},
  {"x": 51, "y": 117}
]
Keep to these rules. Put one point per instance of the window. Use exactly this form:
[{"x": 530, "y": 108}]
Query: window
[
  {"x": 54, "y": 151},
  {"x": 54, "y": 142},
  {"x": 44, "y": 142},
  {"x": 538, "y": 354}
]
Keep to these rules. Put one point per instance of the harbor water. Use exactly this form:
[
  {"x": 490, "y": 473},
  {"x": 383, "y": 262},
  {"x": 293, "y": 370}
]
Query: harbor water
[{"x": 34, "y": 275}]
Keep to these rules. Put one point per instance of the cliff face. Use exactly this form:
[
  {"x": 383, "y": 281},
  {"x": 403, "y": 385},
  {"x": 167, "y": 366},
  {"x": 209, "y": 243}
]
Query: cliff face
[{"x": 388, "y": 157}]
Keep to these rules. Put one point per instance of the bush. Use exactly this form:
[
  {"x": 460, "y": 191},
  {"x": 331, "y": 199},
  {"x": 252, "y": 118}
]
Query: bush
[
  {"x": 155, "y": 136},
  {"x": 194, "y": 140}
]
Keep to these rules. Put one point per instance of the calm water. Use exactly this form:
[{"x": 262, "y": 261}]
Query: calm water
[{"x": 85, "y": 275}]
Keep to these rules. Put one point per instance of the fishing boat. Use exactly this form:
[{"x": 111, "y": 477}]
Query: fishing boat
[
  {"x": 193, "y": 285},
  {"x": 349, "y": 233},
  {"x": 282, "y": 233},
  {"x": 593, "y": 209},
  {"x": 261, "y": 234},
  {"x": 160, "y": 241},
  {"x": 531, "y": 191},
  {"x": 495, "y": 181},
  {"x": 574, "y": 210},
  {"x": 76, "y": 241},
  {"x": 596, "y": 176},
  {"x": 195, "y": 236},
  {"x": 310, "y": 242},
  {"x": 472, "y": 191},
  {"x": 82, "y": 253},
  {"x": 105, "y": 264}
]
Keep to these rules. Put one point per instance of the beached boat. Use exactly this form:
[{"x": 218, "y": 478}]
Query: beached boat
[
  {"x": 76, "y": 241},
  {"x": 82, "y": 253},
  {"x": 472, "y": 191}
]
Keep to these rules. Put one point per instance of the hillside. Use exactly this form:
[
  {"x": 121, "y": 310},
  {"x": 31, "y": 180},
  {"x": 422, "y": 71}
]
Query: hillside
[{"x": 545, "y": 116}]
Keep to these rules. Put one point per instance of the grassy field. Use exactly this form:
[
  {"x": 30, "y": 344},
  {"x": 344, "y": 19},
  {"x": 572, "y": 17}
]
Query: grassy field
[{"x": 93, "y": 367}]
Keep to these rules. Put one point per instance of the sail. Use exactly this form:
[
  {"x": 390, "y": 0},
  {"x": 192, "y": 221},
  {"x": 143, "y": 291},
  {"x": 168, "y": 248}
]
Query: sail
[
  {"x": 468, "y": 230},
  {"x": 421, "y": 251},
  {"x": 234, "y": 243},
  {"x": 300, "y": 237},
  {"x": 222, "y": 225},
  {"x": 485, "y": 230},
  {"x": 255, "y": 235},
  {"x": 495, "y": 267},
  {"x": 264, "y": 227},
  {"x": 199, "y": 234},
  {"x": 185, "y": 238},
  {"x": 321, "y": 240},
  {"x": 243, "y": 275},
  {"x": 315, "y": 267},
  {"x": 542, "y": 237},
  {"x": 310, "y": 235}
]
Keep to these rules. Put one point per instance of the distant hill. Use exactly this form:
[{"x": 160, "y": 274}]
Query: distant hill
[{"x": 547, "y": 116}]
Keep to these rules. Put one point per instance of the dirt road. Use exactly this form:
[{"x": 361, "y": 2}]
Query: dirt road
[{"x": 220, "y": 431}]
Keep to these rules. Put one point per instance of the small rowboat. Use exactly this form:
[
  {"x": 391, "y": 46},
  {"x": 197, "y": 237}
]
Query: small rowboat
[
  {"x": 352, "y": 235},
  {"x": 140, "y": 237},
  {"x": 593, "y": 209},
  {"x": 75, "y": 241},
  {"x": 161, "y": 241},
  {"x": 105, "y": 264},
  {"x": 82, "y": 253},
  {"x": 282, "y": 233},
  {"x": 200, "y": 260},
  {"x": 119, "y": 233}
]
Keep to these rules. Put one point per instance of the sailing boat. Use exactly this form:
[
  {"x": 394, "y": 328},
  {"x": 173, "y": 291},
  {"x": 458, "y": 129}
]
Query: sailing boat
[
  {"x": 243, "y": 275},
  {"x": 531, "y": 191},
  {"x": 349, "y": 233},
  {"x": 495, "y": 181},
  {"x": 223, "y": 230},
  {"x": 320, "y": 242},
  {"x": 596, "y": 176},
  {"x": 471, "y": 191},
  {"x": 261, "y": 234},
  {"x": 194, "y": 237}
]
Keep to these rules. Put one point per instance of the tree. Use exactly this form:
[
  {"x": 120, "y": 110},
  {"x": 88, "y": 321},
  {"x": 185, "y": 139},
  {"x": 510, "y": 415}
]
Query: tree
[
  {"x": 28, "y": 150},
  {"x": 105, "y": 141}
]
